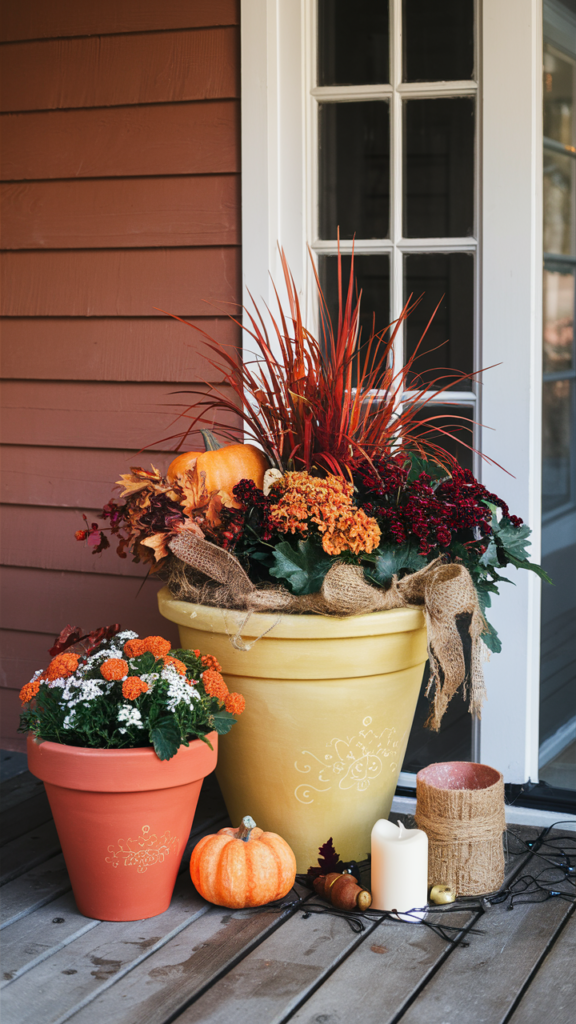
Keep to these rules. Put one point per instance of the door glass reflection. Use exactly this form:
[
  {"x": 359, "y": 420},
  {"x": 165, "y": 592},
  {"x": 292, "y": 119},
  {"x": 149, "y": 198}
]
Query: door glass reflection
[
  {"x": 372, "y": 274},
  {"x": 558, "y": 317},
  {"x": 439, "y": 168},
  {"x": 447, "y": 278},
  {"x": 354, "y": 186},
  {"x": 353, "y": 43},
  {"x": 438, "y": 40}
]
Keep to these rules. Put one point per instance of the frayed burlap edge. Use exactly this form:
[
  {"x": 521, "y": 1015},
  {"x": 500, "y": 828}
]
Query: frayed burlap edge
[{"x": 205, "y": 574}]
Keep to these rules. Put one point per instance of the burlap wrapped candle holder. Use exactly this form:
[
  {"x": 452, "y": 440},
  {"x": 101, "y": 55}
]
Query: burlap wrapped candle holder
[{"x": 460, "y": 806}]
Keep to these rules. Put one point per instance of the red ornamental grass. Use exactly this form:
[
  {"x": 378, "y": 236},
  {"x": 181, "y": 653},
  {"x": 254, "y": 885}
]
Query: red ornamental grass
[{"x": 330, "y": 404}]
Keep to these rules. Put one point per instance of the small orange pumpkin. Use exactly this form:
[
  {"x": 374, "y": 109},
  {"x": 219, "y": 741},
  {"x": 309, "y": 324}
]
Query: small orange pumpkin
[
  {"x": 243, "y": 867},
  {"x": 224, "y": 467}
]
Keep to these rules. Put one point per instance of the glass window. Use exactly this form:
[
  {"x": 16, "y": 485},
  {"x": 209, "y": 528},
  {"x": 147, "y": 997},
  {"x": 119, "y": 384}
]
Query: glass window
[
  {"x": 447, "y": 278},
  {"x": 438, "y": 40},
  {"x": 353, "y": 45},
  {"x": 558, "y": 319},
  {"x": 354, "y": 169},
  {"x": 556, "y": 420},
  {"x": 439, "y": 168},
  {"x": 458, "y": 421},
  {"x": 372, "y": 275}
]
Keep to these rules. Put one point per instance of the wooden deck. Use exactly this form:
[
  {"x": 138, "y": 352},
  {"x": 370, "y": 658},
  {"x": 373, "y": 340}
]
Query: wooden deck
[{"x": 200, "y": 963}]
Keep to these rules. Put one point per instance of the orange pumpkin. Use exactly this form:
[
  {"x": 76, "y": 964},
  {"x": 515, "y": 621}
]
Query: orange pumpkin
[
  {"x": 224, "y": 467},
  {"x": 242, "y": 867}
]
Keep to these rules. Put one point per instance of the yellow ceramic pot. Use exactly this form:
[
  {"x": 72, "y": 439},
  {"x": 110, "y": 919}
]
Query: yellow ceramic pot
[{"x": 329, "y": 707}]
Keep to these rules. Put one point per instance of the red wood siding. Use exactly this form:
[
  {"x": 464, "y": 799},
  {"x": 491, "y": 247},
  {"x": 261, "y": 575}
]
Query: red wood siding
[{"x": 120, "y": 172}]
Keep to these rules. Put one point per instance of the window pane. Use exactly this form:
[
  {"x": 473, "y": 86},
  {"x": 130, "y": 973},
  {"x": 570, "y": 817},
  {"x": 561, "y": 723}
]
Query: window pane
[
  {"x": 558, "y": 97},
  {"x": 372, "y": 275},
  {"x": 458, "y": 420},
  {"x": 450, "y": 278},
  {"x": 556, "y": 421},
  {"x": 438, "y": 40},
  {"x": 558, "y": 349},
  {"x": 438, "y": 168},
  {"x": 353, "y": 42},
  {"x": 559, "y": 176},
  {"x": 354, "y": 170}
]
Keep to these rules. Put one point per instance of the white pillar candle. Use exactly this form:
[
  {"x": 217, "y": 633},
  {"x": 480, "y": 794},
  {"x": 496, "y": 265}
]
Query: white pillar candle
[{"x": 399, "y": 867}]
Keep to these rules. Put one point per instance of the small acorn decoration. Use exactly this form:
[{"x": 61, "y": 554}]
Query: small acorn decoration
[
  {"x": 342, "y": 891},
  {"x": 442, "y": 894}
]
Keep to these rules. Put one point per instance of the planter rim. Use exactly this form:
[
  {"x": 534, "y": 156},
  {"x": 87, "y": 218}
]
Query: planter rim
[
  {"x": 485, "y": 776},
  {"x": 287, "y": 626},
  {"x": 126, "y": 770}
]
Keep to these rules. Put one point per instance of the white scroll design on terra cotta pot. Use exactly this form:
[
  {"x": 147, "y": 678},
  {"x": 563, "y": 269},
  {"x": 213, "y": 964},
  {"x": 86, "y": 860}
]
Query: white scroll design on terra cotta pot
[
  {"x": 353, "y": 762},
  {"x": 143, "y": 852}
]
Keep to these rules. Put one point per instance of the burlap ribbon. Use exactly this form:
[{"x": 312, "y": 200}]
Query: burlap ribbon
[{"x": 206, "y": 574}]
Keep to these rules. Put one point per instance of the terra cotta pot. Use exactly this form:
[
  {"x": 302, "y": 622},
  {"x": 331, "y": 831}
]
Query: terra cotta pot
[
  {"x": 123, "y": 818},
  {"x": 329, "y": 708}
]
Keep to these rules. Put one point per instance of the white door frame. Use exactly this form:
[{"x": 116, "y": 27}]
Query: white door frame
[{"x": 276, "y": 139}]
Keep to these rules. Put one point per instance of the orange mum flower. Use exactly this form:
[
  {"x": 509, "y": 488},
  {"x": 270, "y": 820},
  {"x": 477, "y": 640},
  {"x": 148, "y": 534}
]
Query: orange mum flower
[
  {"x": 328, "y": 504},
  {"x": 235, "y": 703},
  {"x": 134, "y": 648},
  {"x": 197, "y": 653},
  {"x": 133, "y": 687},
  {"x": 214, "y": 684},
  {"x": 114, "y": 669},
  {"x": 209, "y": 661},
  {"x": 156, "y": 645},
  {"x": 177, "y": 664},
  {"x": 29, "y": 691},
  {"x": 62, "y": 665}
]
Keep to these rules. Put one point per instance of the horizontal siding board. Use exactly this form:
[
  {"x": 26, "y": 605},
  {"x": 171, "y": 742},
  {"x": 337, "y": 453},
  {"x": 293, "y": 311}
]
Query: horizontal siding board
[
  {"x": 121, "y": 282},
  {"x": 43, "y": 538},
  {"x": 21, "y": 654},
  {"x": 10, "y": 708},
  {"x": 107, "y": 71},
  {"x": 84, "y": 414},
  {"x": 37, "y": 19},
  {"x": 79, "y": 478},
  {"x": 95, "y": 348},
  {"x": 45, "y": 600},
  {"x": 179, "y": 138},
  {"x": 121, "y": 212}
]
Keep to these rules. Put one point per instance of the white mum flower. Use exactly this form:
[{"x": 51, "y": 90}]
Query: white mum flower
[
  {"x": 129, "y": 715},
  {"x": 126, "y": 634},
  {"x": 68, "y": 722}
]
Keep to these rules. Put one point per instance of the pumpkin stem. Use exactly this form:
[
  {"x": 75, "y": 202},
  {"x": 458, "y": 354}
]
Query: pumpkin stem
[
  {"x": 245, "y": 829},
  {"x": 211, "y": 443}
]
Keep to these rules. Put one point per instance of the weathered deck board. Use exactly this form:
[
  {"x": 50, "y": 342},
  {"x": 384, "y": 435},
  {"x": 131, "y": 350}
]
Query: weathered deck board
[
  {"x": 199, "y": 963},
  {"x": 24, "y": 816},
  {"x": 33, "y": 889},
  {"x": 192, "y": 962},
  {"x": 28, "y": 850},
  {"x": 59, "y": 984},
  {"x": 552, "y": 993},
  {"x": 297, "y": 963},
  {"x": 15, "y": 791},
  {"x": 490, "y": 973}
]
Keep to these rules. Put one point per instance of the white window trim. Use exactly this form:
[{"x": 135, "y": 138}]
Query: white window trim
[{"x": 277, "y": 153}]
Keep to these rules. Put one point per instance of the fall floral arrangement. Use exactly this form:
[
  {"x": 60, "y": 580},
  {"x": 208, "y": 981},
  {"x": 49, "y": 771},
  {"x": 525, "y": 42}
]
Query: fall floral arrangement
[
  {"x": 112, "y": 689},
  {"x": 346, "y": 469}
]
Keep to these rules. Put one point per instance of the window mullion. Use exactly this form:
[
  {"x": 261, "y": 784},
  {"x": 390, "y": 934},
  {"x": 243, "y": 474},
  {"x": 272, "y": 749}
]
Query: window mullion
[{"x": 396, "y": 268}]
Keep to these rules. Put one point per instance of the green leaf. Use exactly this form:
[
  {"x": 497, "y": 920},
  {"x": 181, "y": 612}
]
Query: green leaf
[
  {"x": 419, "y": 465},
  {"x": 514, "y": 539},
  {"x": 491, "y": 639},
  {"x": 223, "y": 722},
  {"x": 165, "y": 738},
  {"x": 490, "y": 556},
  {"x": 303, "y": 567},
  {"x": 392, "y": 560}
]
